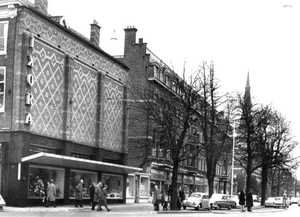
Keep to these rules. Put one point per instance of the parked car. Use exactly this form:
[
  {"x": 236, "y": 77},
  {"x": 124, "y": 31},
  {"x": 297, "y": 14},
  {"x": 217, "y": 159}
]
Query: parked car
[
  {"x": 194, "y": 200},
  {"x": 270, "y": 202},
  {"x": 280, "y": 204},
  {"x": 218, "y": 201},
  {"x": 294, "y": 200},
  {"x": 2, "y": 202}
]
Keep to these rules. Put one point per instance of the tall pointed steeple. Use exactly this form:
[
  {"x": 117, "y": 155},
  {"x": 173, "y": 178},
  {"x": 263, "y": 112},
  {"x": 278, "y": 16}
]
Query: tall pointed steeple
[{"x": 247, "y": 95}]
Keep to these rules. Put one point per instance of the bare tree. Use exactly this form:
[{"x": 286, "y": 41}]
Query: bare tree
[
  {"x": 172, "y": 122},
  {"x": 275, "y": 144},
  {"x": 215, "y": 122}
]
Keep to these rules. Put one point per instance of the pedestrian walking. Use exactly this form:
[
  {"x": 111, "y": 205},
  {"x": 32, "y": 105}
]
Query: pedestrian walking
[
  {"x": 78, "y": 193},
  {"x": 242, "y": 200},
  {"x": 156, "y": 198},
  {"x": 249, "y": 201},
  {"x": 92, "y": 193},
  {"x": 51, "y": 194},
  {"x": 104, "y": 198},
  {"x": 97, "y": 196}
]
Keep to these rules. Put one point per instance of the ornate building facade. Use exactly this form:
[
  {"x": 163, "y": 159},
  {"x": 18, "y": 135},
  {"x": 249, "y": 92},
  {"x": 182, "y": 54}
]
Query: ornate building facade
[{"x": 61, "y": 116}]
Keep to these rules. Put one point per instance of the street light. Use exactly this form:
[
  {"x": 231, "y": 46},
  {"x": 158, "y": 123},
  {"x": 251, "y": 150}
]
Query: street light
[{"x": 232, "y": 160}]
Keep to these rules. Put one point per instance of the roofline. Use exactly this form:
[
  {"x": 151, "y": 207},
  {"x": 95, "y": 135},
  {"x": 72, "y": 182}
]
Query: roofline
[{"x": 76, "y": 35}]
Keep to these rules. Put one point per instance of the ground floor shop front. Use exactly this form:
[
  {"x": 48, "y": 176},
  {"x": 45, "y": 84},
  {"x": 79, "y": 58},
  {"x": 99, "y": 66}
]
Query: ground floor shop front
[{"x": 26, "y": 169}]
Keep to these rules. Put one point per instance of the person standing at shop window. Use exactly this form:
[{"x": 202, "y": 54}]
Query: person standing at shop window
[
  {"x": 92, "y": 193},
  {"x": 51, "y": 194},
  {"x": 78, "y": 194}
]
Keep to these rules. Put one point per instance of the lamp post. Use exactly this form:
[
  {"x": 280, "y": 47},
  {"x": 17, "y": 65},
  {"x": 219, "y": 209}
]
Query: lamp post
[{"x": 232, "y": 160}]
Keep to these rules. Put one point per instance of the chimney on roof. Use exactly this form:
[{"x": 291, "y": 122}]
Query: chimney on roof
[
  {"x": 130, "y": 38},
  {"x": 95, "y": 33},
  {"x": 41, "y": 5}
]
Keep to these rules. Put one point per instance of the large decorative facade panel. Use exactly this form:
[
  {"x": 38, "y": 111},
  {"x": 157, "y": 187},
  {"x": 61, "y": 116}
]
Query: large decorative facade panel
[
  {"x": 47, "y": 90},
  {"x": 71, "y": 45},
  {"x": 112, "y": 116},
  {"x": 84, "y": 102}
]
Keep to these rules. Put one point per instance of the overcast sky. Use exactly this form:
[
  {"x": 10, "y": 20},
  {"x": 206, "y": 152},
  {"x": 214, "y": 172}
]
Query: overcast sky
[{"x": 261, "y": 37}]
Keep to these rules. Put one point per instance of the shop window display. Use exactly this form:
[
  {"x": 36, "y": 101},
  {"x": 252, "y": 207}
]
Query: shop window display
[
  {"x": 115, "y": 186},
  {"x": 87, "y": 177},
  {"x": 39, "y": 178},
  {"x": 144, "y": 186},
  {"x": 130, "y": 186}
]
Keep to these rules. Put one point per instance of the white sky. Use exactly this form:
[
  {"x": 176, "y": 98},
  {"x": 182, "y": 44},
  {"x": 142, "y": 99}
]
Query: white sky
[{"x": 261, "y": 37}]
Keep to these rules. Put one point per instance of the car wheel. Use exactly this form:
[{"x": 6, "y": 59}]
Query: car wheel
[
  {"x": 219, "y": 206},
  {"x": 199, "y": 206},
  {"x": 184, "y": 207},
  {"x": 229, "y": 207}
]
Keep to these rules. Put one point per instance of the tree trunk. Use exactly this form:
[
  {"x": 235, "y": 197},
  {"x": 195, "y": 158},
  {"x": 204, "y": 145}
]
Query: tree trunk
[
  {"x": 174, "y": 193},
  {"x": 264, "y": 182}
]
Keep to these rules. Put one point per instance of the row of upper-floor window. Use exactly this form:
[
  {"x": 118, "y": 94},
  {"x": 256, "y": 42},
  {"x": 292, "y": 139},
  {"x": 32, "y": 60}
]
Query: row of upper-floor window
[
  {"x": 163, "y": 75},
  {"x": 199, "y": 162},
  {"x": 3, "y": 51}
]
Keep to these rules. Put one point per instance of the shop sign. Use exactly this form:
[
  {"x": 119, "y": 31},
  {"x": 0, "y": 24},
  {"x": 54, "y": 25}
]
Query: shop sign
[
  {"x": 188, "y": 180},
  {"x": 158, "y": 175}
]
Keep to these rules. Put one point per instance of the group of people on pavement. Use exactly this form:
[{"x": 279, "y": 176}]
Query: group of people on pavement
[
  {"x": 98, "y": 195},
  {"x": 245, "y": 200}
]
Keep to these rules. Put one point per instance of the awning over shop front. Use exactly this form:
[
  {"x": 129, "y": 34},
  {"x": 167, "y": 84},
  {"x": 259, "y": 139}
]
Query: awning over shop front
[{"x": 78, "y": 163}]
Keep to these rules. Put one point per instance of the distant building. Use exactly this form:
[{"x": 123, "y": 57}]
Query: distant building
[{"x": 62, "y": 115}]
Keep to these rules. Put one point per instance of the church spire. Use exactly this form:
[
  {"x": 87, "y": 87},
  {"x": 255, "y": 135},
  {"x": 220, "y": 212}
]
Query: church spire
[{"x": 247, "y": 96}]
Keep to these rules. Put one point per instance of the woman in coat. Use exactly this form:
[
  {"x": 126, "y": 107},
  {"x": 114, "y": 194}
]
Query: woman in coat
[
  {"x": 51, "y": 193},
  {"x": 242, "y": 200},
  {"x": 78, "y": 194},
  {"x": 98, "y": 196}
]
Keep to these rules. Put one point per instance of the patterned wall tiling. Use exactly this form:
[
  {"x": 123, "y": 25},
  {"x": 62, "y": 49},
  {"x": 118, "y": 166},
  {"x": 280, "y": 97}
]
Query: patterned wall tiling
[
  {"x": 70, "y": 46},
  {"x": 84, "y": 102},
  {"x": 47, "y": 91},
  {"x": 113, "y": 116}
]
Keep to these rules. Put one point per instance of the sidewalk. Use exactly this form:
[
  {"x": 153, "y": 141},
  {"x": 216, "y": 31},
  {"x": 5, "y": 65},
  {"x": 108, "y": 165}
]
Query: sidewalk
[
  {"x": 136, "y": 208},
  {"x": 129, "y": 207}
]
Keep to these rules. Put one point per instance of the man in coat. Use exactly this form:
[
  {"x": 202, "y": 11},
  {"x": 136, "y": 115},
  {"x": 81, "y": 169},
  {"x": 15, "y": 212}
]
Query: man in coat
[
  {"x": 104, "y": 198},
  {"x": 156, "y": 198},
  {"x": 78, "y": 194},
  {"x": 92, "y": 193},
  {"x": 249, "y": 201},
  {"x": 51, "y": 193}
]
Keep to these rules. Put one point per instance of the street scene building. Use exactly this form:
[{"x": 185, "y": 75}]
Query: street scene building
[
  {"x": 147, "y": 69},
  {"x": 61, "y": 108}
]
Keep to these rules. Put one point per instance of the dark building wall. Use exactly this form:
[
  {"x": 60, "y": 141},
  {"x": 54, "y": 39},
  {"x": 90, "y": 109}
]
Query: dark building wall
[{"x": 77, "y": 100}]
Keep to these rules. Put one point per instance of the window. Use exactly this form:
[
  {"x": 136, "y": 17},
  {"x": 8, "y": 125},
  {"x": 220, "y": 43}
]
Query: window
[
  {"x": 87, "y": 177},
  {"x": 115, "y": 185},
  {"x": 39, "y": 177},
  {"x": 3, "y": 37},
  {"x": 2, "y": 88}
]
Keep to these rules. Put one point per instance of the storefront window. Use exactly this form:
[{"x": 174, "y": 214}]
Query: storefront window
[
  {"x": 87, "y": 177},
  {"x": 39, "y": 176},
  {"x": 144, "y": 187},
  {"x": 115, "y": 185},
  {"x": 130, "y": 186}
]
